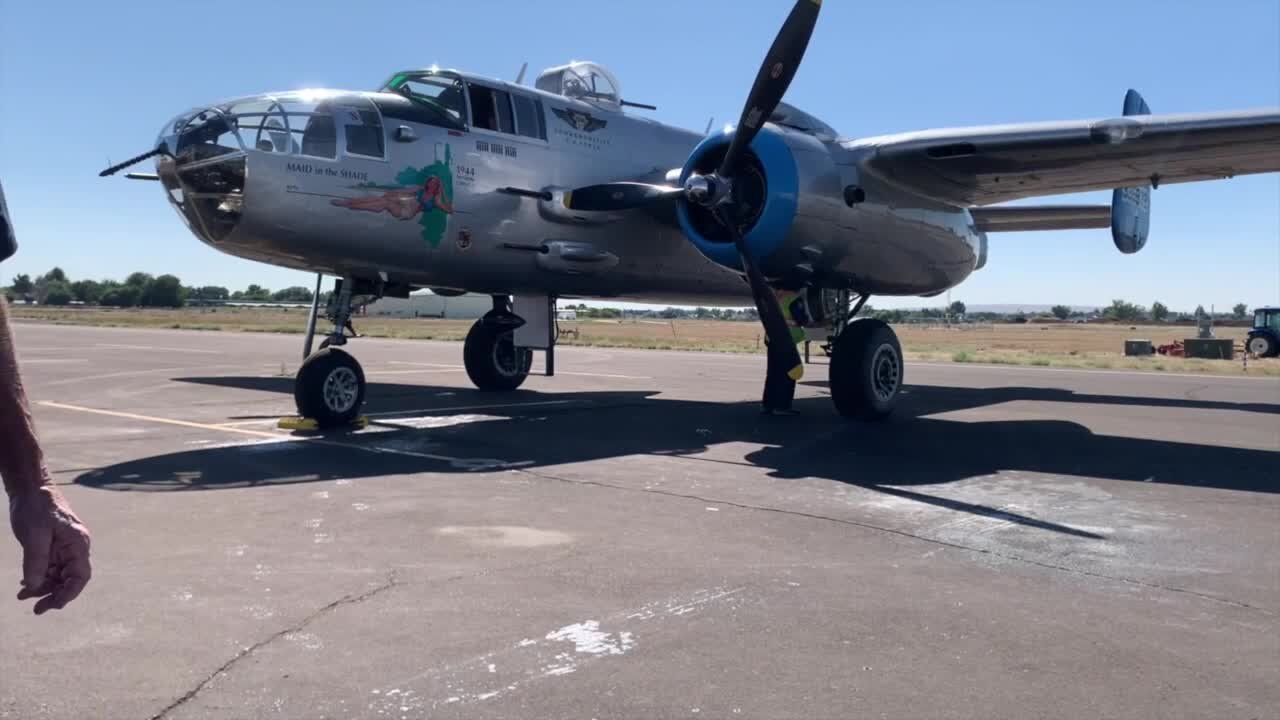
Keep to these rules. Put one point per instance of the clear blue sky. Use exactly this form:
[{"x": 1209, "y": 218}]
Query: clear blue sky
[{"x": 84, "y": 81}]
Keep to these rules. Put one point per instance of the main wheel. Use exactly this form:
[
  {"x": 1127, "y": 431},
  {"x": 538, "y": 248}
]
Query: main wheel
[
  {"x": 1262, "y": 345},
  {"x": 866, "y": 370},
  {"x": 492, "y": 359},
  {"x": 330, "y": 388}
]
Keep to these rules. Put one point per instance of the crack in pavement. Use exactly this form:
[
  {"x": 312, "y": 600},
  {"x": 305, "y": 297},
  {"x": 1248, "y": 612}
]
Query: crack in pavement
[
  {"x": 904, "y": 533},
  {"x": 349, "y": 599}
]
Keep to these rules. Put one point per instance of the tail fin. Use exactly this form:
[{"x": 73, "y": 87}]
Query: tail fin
[{"x": 1131, "y": 207}]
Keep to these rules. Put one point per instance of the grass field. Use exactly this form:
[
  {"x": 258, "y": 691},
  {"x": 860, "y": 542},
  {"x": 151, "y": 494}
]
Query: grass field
[{"x": 1050, "y": 345}]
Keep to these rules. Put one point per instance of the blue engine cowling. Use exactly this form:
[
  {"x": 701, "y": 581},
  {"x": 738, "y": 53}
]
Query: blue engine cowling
[{"x": 768, "y": 185}]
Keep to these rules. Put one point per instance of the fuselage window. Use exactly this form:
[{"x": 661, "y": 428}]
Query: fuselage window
[
  {"x": 364, "y": 131},
  {"x": 529, "y": 117},
  {"x": 320, "y": 138},
  {"x": 490, "y": 109}
]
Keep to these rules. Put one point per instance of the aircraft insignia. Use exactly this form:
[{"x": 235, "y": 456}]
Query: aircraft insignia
[{"x": 586, "y": 122}]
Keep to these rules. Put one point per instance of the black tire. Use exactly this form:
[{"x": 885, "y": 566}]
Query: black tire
[
  {"x": 330, "y": 388},
  {"x": 1262, "y": 345},
  {"x": 492, "y": 360},
  {"x": 866, "y": 370}
]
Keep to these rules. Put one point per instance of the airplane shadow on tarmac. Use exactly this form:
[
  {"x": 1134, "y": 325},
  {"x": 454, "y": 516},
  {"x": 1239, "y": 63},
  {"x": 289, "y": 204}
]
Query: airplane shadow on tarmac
[{"x": 529, "y": 429}]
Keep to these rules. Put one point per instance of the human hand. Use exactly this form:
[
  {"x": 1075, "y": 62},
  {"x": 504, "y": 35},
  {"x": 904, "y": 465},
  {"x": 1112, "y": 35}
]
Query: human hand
[{"x": 55, "y": 547}]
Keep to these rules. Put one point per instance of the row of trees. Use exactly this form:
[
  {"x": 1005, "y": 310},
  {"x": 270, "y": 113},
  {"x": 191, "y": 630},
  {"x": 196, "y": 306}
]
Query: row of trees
[
  {"x": 1125, "y": 311},
  {"x": 144, "y": 290},
  {"x": 138, "y": 290},
  {"x": 1119, "y": 311}
]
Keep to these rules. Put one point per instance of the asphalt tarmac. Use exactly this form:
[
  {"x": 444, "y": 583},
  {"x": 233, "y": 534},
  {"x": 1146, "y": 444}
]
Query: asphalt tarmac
[{"x": 632, "y": 539}]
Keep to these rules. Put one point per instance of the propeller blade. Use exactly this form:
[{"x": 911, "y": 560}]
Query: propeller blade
[
  {"x": 132, "y": 161},
  {"x": 771, "y": 83},
  {"x": 609, "y": 197},
  {"x": 775, "y": 325}
]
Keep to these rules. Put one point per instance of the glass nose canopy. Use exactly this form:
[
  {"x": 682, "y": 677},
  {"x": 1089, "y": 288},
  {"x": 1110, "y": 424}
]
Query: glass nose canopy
[
  {"x": 205, "y": 170},
  {"x": 302, "y": 122}
]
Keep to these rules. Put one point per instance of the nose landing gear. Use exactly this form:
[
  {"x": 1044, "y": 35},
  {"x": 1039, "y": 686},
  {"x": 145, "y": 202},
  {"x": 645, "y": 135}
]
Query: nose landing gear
[{"x": 330, "y": 386}]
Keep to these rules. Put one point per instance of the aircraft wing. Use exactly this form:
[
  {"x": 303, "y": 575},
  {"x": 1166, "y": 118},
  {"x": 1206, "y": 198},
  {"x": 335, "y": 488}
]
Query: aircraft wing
[{"x": 986, "y": 165}]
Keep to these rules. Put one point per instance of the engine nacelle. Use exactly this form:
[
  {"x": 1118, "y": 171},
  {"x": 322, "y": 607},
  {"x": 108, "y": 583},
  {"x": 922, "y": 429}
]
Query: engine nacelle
[{"x": 790, "y": 187}]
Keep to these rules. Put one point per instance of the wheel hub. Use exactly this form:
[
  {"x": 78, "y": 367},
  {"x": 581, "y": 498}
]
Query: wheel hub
[
  {"x": 341, "y": 389},
  {"x": 506, "y": 359},
  {"x": 886, "y": 372}
]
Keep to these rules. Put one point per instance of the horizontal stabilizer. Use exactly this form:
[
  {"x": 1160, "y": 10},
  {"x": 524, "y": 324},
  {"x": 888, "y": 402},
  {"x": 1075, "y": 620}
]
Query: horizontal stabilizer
[{"x": 1041, "y": 217}]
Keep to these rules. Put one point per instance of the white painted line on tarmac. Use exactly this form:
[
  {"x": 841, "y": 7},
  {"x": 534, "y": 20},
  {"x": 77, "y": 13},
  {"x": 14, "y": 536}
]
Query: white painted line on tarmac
[
  {"x": 558, "y": 372},
  {"x": 604, "y": 375},
  {"x": 1081, "y": 371},
  {"x": 51, "y": 361},
  {"x": 114, "y": 346},
  {"x": 416, "y": 412},
  {"x": 390, "y": 413},
  {"x": 460, "y": 463},
  {"x": 164, "y": 421},
  {"x": 419, "y": 371},
  {"x": 135, "y": 373}
]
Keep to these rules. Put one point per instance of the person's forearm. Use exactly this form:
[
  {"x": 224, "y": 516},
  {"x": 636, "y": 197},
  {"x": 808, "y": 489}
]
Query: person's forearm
[{"x": 21, "y": 462}]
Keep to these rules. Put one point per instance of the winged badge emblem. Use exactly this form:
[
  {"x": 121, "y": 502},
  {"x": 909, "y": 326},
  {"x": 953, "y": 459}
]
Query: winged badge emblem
[{"x": 585, "y": 122}]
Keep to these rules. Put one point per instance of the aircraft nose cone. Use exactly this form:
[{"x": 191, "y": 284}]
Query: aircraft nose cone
[{"x": 203, "y": 172}]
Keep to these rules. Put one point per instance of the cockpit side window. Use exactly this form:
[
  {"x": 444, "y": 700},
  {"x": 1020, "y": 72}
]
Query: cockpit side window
[
  {"x": 491, "y": 109},
  {"x": 529, "y": 116},
  {"x": 320, "y": 138},
  {"x": 362, "y": 127}
]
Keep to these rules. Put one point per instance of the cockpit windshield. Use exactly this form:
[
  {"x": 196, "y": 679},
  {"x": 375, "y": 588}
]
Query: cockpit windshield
[{"x": 440, "y": 94}]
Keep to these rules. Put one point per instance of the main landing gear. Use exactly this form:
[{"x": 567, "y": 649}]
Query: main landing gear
[
  {"x": 330, "y": 387},
  {"x": 865, "y": 371},
  {"x": 490, "y": 355}
]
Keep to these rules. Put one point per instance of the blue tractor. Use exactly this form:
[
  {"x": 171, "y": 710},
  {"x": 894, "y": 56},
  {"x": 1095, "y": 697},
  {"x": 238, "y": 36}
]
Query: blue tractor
[{"x": 1264, "y": 337}]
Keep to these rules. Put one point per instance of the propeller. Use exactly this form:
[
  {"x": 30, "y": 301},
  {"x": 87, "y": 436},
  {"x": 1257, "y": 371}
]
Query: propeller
[
  {"x": 715, "y": 191},
  {"x": 775, "y": 76},
  {"x": 775, "y": 325}
]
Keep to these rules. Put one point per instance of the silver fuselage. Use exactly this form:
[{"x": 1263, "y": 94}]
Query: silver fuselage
[{"x": 291, "y": 213}]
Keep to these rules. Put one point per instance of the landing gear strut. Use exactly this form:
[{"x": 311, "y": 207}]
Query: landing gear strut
[{"x": 492, "y": 360}]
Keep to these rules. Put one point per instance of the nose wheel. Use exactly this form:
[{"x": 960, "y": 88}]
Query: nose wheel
[
  {"x": 330, "y": 388},
  {"x": 866, "y": 370}
]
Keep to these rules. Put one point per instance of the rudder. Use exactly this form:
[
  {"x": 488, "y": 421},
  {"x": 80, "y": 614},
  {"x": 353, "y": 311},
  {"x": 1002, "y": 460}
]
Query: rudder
[{"x": 1131, "y": 206}]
